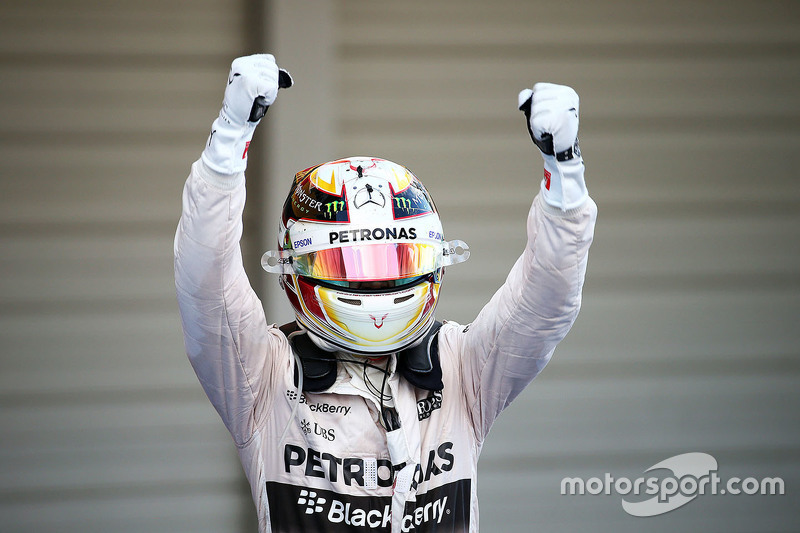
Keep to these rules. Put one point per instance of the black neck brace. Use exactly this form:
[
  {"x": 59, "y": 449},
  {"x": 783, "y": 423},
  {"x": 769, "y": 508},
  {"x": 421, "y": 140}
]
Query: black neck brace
[{"x": 419, "y": 365}]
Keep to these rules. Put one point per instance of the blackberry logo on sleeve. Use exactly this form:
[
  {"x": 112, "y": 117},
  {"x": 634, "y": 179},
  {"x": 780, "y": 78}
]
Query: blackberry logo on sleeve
[{"x": 293, "y": 508}]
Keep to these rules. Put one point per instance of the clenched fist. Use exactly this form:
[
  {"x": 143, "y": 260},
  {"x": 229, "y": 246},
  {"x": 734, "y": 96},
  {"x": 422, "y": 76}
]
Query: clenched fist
[
  {"x": 552, "y": 116},
  {"x": 552, "y": 113},
  {"x": 252, "y": 87}
]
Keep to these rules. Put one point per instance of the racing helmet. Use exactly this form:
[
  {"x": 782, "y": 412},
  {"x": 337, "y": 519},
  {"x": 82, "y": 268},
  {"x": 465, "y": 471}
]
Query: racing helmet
[{"x": 362, "y": 255}]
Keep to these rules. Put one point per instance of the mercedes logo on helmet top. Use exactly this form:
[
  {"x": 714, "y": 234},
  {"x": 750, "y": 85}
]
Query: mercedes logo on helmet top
[{"x": 369, "y": 195}]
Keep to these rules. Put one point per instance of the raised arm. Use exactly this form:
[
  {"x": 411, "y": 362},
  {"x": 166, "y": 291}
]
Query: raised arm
[
  {"x": 515, "y": 334},
  {"x": 226, "y": 335}
]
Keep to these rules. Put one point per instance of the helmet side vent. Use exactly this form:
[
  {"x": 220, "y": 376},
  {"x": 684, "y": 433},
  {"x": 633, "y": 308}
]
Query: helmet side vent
[
  {"x": 402, "y": 299},
  {"x": 351, "y": 301}
]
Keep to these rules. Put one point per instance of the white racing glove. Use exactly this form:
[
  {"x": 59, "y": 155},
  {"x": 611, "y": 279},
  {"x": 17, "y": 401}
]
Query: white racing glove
[
  {"x": 552, "y": 116},
  {"x": 253, "y": 85}
]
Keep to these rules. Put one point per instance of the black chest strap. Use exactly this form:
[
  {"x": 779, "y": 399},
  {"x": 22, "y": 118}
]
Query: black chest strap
[{"x": 419, "y": 365}]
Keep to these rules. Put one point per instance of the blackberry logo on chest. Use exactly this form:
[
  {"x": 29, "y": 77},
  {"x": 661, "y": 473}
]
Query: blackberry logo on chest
[{"x": 319, "y": 407}]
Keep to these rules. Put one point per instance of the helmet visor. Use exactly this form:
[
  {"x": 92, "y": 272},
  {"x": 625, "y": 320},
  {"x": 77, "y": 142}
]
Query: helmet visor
[{"x": 373, "y": 262}]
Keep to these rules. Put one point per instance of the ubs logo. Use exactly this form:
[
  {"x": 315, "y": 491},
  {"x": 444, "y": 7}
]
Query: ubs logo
[{"x": 308, "y": 428}]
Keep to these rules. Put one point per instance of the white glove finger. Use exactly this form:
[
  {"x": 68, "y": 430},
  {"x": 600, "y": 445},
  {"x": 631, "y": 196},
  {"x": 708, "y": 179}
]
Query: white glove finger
[
  {"x": 265, "y": 57},
  {"x": 241, "y": 63},
  {"x": 554, "y": 87},
  {"x": 543, "y": 117},
  {"x": 252, "y": 58},
  {"x": 268, "y": 72},
  {"x": 264, "y": 66},
  {"x": 251, "y": 64},
  {"x": 266, "y": 81},
  {"x": 550, "y": 98},
  {"x": 545, "y": 91},
  {"x": 544, "y": 86},
  {"x": 561, "y": 93},
  {"x": 540, "y": 104},
  {"x": 268, "y": 88},
  {"x": 544, "y": 125},
  {"x": 267, "y": 75},
  {"x": 569, "y": 98}
]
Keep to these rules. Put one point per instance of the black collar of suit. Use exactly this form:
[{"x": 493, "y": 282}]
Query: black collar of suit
[{"x": 419, "y": 365}]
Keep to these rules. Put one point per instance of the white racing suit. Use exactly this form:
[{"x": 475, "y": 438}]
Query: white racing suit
[{"x": 337, "y": 468}]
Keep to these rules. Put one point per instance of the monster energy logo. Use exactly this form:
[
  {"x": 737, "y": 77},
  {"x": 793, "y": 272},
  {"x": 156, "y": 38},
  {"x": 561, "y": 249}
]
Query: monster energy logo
[
  {"x": 334, "y": 207},
  {"x": 402, "y": 203}
]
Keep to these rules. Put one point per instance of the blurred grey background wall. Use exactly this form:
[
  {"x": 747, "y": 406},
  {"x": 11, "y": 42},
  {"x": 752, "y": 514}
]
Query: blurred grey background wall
[{"x": 688, "y": 340}]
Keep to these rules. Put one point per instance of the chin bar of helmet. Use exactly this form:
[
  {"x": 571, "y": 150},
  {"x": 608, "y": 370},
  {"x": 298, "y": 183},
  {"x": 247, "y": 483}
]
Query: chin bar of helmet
[{"x": 283, "y": 261}]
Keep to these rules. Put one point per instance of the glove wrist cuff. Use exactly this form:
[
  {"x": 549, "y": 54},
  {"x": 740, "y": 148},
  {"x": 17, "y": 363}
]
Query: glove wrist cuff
[
  {"x": 570, "y": 153},
  {"x": 545, "y": 145},
  {"x": 563, "y": 185},
  {"x": 227, "y": 146}
]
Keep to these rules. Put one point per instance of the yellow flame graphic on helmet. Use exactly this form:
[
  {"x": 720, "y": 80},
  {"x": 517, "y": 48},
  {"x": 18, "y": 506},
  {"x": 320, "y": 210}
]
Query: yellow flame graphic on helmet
[{"x": 324, "y": 179}]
